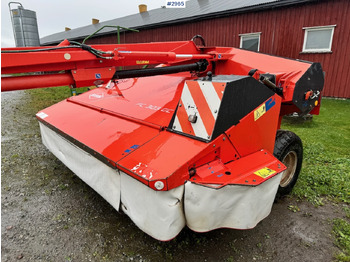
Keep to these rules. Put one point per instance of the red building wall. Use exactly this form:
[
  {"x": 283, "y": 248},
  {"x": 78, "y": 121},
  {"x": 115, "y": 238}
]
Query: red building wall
[{"x": 282, "y": 34}]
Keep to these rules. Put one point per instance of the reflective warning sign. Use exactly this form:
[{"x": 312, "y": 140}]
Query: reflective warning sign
[{"x": 265, "y": 172}]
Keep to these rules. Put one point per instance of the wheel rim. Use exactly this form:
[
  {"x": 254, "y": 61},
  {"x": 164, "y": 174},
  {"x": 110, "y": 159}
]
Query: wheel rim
[{"x": 290, "y": 161}]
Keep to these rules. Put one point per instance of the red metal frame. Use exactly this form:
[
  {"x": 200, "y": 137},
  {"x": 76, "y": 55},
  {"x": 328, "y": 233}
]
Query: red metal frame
[{"x": 83, "y": 66}]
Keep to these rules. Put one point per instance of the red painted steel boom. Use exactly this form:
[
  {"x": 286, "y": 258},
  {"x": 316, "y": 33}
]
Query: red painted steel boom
[{"x": 81, "y": 65}]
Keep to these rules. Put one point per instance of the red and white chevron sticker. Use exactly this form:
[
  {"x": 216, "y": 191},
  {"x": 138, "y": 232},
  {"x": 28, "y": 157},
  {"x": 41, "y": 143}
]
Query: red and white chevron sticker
[{"x": 198, "y": 108}]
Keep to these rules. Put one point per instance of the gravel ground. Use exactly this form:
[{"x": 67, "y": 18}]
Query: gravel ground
[{"x": 49, "y": 214}]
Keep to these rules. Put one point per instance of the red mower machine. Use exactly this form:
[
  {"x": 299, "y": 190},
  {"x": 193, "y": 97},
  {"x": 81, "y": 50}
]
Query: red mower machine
[{"x": 191, "y": 140}]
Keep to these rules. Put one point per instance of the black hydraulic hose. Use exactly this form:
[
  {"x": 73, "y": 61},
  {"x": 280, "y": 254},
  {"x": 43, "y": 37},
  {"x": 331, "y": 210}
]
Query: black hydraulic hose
[
  {"x": 97, "y": 53},
  {"x": 88, "y": 48},
  {"x": 198, "y": 66}
]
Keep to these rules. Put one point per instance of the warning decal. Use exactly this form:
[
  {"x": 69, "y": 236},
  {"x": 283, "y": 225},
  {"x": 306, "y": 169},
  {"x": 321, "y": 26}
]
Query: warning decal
[
  {"x": 142, "y": 62},
  {"x": 265, "y": 172},
  {"x": 259, "y": 112},
  {"x": 264, "y": 108}
]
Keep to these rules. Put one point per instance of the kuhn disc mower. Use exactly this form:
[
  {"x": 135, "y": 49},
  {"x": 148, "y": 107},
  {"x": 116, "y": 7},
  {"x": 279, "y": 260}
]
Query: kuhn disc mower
[{"x": 191, "y": 140}]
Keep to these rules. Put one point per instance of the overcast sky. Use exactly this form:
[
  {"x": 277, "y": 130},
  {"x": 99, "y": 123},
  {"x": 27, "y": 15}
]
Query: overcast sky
[{"x": 54, "y": 15}]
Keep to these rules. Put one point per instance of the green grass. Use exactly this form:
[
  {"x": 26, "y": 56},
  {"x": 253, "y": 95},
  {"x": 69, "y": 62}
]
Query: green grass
[
  {"x": 45, "y": 97},
  {"x": 341, "y": 230},
  {"x": 326, "y": 140}
]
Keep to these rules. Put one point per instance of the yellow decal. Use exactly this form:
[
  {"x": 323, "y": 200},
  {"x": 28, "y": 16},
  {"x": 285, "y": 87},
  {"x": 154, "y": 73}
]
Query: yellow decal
[
  {"x": 142, "y": 62},
  {"x": 259, "y": 112},
  {"x": 265, "y": 172}
]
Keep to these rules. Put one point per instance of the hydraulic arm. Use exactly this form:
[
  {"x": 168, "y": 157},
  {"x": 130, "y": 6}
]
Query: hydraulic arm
[{"x": 80, "y": 65}]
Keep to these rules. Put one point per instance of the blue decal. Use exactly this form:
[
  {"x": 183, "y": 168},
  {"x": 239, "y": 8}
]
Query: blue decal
[
  {"x": 270, "y": 103},
  {"x": 220, "y": 175},
  {"x": 132, "y": 148},
  {"x": 98, "y": 76},
  {"x": 219, "y": 56}
]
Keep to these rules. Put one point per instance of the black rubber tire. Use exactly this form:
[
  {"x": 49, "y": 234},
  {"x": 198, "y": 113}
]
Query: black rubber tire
[{"x": 288, "y": 148}]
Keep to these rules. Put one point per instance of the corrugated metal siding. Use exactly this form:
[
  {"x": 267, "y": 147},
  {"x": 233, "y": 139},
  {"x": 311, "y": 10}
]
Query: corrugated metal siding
[{"x": 281, "y": 34}]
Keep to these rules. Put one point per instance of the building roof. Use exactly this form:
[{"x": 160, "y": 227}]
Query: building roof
[{"x": 195, "y": 10}]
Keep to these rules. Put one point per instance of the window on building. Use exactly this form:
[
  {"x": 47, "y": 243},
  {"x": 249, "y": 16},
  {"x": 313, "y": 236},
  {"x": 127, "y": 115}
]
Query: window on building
[
  {"x": 318, "y": 39},
  {"x": 250, "y": 41}
]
